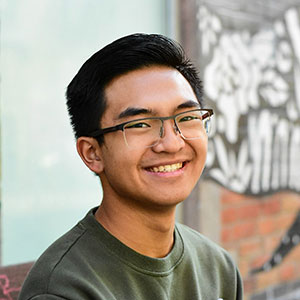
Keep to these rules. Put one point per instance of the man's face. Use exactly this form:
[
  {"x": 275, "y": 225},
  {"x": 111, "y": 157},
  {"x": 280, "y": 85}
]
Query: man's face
[{"x": 141, "y": 175}]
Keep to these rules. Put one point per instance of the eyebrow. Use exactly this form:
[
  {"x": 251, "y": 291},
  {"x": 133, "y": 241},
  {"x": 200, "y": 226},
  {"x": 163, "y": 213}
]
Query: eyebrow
[
  {"x": 189, "y": 104},
  {"x": 135, "y": 111}
]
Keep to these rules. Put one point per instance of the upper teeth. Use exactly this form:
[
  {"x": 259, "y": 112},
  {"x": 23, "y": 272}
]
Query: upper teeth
[{"x": 167, "y": 168}]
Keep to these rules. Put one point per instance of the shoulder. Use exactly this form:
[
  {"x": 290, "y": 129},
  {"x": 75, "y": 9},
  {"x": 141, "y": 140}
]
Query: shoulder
[
  {"x": 210, "y": 260},
  {"x": 194, "y": 237},
  {"x": 197, "y": 245},
  {"x": 39, "y": 277}
]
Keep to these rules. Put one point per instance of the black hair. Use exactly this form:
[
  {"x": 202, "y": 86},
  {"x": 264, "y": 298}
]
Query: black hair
[{"x": 85, "y": 94}]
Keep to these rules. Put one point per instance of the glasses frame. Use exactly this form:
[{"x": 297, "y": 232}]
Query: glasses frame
[{"x": 99, "y": 132}]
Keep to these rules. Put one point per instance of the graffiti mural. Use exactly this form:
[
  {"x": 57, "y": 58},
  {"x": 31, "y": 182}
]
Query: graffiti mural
[
  {"x": 11, "y": 279},
  {"x": 251, "y": 78},
  {"x": 290, "y": 240},
  {"x": 5, "y": 290},
  {"x": 249, "y": 60}
]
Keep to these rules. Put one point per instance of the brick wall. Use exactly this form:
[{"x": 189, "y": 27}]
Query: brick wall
[
  {"x": 11, "y": 280},
  {"x": 251, "y": 230}
]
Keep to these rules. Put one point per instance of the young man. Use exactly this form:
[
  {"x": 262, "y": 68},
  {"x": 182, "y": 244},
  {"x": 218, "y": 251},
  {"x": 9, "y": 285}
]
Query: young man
[{"x": 136, "y": 110}]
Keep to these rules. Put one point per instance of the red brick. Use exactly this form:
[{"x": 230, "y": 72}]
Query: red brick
[
  {"x": 230, "y": 215},
  {"x": 271, "y": 206},
  {"x": 287, "y": 272},
  {"x": 243, "y": 230},
  {"x": 249, "y": 285},
  {"x": 271, "y": 242},
  {"x": 285, "y": 220},
  {"x": 267, "y": 279},
  {"x": 244, "y": 267},
  {"x": 267, "y": 226},
  {"x": 15, "y": 275},
  {"x": 294, "y": 256},
  {"x": 231, "y": 198},
  {"x": 226, "y": 235},
  {"x": 260, "y": 260},
  {"x": 249, "y": 211},
  {"x": 290, "y": 202},
  {"x": 252, "y": 247}
]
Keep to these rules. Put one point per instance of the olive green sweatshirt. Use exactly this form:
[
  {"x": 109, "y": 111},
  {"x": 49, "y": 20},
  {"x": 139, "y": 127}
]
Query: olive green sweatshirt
[{"x": 89, "y": 263}]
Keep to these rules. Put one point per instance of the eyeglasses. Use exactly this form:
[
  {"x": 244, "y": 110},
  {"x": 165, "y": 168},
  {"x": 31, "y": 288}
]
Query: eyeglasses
[{"x": 147, "y": 132}]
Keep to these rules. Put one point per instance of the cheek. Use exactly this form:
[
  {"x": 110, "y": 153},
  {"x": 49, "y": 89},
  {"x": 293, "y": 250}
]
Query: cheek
[
  {"x": 116, "y": 175},
  {"x": 204, "y": 148},
  {"x": 120, "y": 177},
  {"x": 201, "y": 152},
  {"x": 119, "y": 162}
]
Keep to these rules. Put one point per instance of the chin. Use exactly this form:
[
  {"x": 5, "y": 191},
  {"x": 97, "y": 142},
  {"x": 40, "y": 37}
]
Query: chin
[{"x": 169, "y": 202}]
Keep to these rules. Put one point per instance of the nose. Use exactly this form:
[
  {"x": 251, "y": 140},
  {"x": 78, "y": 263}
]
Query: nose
[{"x": 170, "y": 141}]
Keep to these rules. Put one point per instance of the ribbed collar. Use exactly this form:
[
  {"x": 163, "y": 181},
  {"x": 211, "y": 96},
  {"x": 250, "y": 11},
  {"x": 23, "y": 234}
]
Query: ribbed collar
[{"x": 141, "y": 263}]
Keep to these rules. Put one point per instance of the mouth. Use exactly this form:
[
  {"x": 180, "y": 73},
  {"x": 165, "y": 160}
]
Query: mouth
[{"x": 167, "y": 168}]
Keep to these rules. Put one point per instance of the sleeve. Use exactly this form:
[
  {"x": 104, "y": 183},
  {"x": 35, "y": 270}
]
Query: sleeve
[
  {"x": 46, "y": 297},
  {"x": 239, "y": 287}
]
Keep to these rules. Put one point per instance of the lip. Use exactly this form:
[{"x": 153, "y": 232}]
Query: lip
[
  {"x": 164, "y": 163},
  {"x": 172, "y": 174},
  {"x": 168, "y": 174}
]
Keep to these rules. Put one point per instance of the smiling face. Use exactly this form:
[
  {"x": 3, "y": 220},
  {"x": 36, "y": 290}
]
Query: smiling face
[{"x": 164, "y": 174}]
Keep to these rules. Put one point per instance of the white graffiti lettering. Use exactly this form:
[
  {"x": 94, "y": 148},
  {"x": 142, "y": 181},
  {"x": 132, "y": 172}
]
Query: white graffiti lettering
[{"x": 252, "y": 80}]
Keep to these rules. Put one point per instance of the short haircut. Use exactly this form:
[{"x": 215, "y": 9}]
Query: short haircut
[{"x": 86, "y": 93}]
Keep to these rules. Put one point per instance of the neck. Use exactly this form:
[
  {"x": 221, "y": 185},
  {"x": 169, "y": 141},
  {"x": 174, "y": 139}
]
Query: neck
[{"x": 150, "y": 234}]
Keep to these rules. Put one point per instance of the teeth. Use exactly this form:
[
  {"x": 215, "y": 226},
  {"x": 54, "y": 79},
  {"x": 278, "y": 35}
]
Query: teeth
[{"x": 167, "y": 168}]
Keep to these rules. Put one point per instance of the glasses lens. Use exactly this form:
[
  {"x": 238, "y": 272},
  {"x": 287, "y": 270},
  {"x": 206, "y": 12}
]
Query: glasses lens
[
  {"x": 207, "y": 124},
  {"x": 147, "y": 132},
  {"x": 144, "y": 132},
  {"x": 193, "y": 124}
]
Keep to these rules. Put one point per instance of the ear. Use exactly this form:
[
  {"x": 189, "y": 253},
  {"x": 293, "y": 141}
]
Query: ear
[{"x": 90, "y": 153}]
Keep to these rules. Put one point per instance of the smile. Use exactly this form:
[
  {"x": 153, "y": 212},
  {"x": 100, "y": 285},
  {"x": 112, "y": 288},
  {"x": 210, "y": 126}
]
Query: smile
[{"x": 166, "y": 168}]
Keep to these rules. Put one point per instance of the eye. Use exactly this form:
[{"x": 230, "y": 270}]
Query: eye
[
  {"x": 189, "y": 118},
  {"x": 138, "y": 125}
]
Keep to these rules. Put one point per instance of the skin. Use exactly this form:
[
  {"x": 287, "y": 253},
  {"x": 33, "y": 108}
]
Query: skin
[{"x": 138, "y": 205}]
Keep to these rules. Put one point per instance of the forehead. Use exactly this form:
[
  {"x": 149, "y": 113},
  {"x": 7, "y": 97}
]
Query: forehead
[{"x": 158, "y": 88}]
